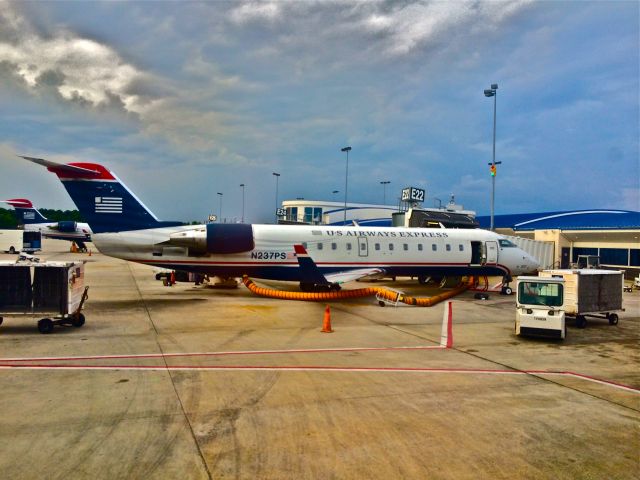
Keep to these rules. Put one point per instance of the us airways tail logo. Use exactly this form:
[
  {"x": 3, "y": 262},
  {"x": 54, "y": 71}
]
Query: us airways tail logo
[
  {"x": 29, "y": 215},
  {"x": 108, "y": 204}
]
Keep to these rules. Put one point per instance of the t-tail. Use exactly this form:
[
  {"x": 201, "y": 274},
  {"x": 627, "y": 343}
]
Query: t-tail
[
  {"x": 25, "y": 211},
  {"x": 102, "y": 199}
]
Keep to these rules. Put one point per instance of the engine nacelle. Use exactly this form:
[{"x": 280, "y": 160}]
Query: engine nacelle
[
  {"x": 66, "y": 226},
  {"x": 216, "y": 238}
]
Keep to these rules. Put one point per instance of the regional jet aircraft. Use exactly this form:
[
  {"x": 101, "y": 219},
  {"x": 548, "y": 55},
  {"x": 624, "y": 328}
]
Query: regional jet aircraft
[
  {"x": 34, "y": 221},
  {"x": 319, "y": 257}
]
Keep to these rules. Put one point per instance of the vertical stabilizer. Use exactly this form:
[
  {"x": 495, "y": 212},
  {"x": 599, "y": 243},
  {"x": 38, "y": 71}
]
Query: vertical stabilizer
[
  {"x": 102, "y": 199},
  {"x": 25, "y": 211}
]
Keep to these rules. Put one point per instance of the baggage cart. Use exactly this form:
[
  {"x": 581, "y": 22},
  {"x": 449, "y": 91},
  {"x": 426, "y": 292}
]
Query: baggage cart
[
  {"x": 52, "y": 291},
  {"x": 590, "y": 292}
]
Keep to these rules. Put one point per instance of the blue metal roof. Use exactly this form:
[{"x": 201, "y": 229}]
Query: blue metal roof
[{"x": 574, "y": 220}]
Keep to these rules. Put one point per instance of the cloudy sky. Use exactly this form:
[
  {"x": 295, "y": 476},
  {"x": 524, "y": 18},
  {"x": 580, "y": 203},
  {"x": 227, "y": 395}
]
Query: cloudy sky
[{"x": 186, "y": 99}]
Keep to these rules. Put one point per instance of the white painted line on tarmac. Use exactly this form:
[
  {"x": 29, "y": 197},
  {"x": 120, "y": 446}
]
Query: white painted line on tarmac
[
  {"x": 219, "y": 354},
  {"x": 201, "y": 368}
]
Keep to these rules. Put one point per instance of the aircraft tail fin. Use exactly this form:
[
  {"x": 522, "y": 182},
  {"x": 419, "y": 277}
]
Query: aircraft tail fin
[
  {"x": 103, "y": 200},
  {"x": 25, "y": 211}
]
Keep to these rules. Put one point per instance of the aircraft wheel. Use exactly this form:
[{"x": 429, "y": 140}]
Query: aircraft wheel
[
  {"x": 381, "y": 303},
  {"x": 481, "y": 296},
  {"x": 423, "y": 279},
  {"x": 507, "y": 291},
  {"x": 78, "y": 320},
  {"x": 45, "y": 325},
  {"x": 613, "y": 318},
  {"x": 581, "y": 321},
  {"x": 12, "y": 250}
]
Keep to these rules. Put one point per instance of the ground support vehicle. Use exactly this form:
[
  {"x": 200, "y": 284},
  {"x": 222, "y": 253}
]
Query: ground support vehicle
[
  {"x": 14, "y": 241},
  {"x": 540, "y": 307},
  {"x": 53, "y": 291}
]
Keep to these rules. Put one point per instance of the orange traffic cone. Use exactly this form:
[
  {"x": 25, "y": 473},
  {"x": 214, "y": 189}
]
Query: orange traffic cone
[
  {"x": 326, "y": 323},
  {"x": 89, "y": 252}
]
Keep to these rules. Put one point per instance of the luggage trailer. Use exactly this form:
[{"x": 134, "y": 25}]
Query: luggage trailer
[
  {"x": 53, "y": 291},
  {"x": 544, "y": 302}
]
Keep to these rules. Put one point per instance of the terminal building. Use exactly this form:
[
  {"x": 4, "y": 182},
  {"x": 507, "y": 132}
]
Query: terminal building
[{"x": 612, "y": 235}]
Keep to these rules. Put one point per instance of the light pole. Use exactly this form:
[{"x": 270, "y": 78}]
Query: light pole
[
  {"x": 220, "y": 211},
  {"x": 492, "y": 92},
  {"x": 242, "y": 185},
  {"x": 346, "y": 183},
  {"x": 277, "y": 175},
  {"x": 384, "y": 191}
]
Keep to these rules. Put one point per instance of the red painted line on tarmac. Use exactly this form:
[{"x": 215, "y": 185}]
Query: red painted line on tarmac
[
  {"x": 219, "y": 354},
  {"x": 307, "y": 368}
]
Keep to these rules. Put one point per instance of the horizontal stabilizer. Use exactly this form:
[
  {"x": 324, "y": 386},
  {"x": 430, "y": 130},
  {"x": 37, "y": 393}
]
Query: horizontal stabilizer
[
  {"x": 59, "y": 167},
  {"x": 19, "y": 202}
]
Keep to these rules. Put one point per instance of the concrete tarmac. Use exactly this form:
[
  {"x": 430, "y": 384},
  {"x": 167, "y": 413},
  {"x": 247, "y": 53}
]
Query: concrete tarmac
[{"x": 195, "y": 382}]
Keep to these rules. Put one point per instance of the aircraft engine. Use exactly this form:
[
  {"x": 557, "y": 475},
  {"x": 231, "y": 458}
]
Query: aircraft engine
[
  {"x": 66, "y": 226},
  {"x": 216, "y": 238}
]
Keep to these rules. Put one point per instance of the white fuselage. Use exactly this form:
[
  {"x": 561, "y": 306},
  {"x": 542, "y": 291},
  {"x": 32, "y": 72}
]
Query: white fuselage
[
  {"x": 50, "y": 230},
  {"x": 398, "y": 251}
]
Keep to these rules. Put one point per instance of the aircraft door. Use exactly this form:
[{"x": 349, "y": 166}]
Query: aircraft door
[
  {"x": 363, "y": 247},
  {"x": 492, "y": 252}
]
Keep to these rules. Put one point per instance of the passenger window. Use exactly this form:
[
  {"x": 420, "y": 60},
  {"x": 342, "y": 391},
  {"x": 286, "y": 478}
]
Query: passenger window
[
  {"x": 334, "y": 246},
  {"x": 420, "y": 247},
  {"x": 348, "y": 246},
  {"x": 363, "y": 247},
  {"x": 391, "y": 246},
  {"x": 405, "y": 247},
  {"x": 461, "y": 247},
  {"x": 319, "y": 246},
  {"x": 377, "y": 246},
  {"x": 434, "y": 247},
  {"x": 448, "y": 247}
]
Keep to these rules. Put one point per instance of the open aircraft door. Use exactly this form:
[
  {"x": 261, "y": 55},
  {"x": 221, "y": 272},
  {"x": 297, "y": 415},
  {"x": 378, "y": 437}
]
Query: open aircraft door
[
  {"x": 363, "y": 247},
  {"x": 491, "y": 252}
]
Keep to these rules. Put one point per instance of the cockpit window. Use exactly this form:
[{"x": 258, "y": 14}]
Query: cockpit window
[{"x": 506, "y": 243}]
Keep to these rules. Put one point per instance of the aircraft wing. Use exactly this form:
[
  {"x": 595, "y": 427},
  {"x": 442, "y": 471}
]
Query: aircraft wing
[{"x": 357, "y": 274}]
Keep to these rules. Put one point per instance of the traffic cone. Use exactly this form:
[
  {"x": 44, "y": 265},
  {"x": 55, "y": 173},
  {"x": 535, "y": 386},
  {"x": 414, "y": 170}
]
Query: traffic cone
[
  {"x": 89, "y": 252},
  {"x": 326, "y": 323}
]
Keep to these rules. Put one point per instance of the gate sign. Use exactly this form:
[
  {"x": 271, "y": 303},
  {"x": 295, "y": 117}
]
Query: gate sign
[
  {"x": 213, "y": 218},
  {"x": 411, "y": 194},
  {"x": 281, "y": 212}
]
